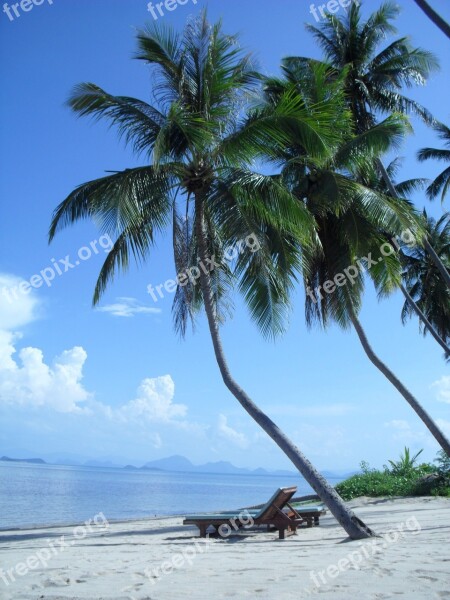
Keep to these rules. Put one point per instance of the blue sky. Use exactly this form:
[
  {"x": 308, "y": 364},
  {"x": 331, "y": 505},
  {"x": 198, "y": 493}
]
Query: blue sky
[{"x": 117, "y": 383}]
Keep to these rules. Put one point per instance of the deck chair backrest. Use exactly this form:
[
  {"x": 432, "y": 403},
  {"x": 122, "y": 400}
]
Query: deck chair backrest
[{"x": 276, "y": 503}]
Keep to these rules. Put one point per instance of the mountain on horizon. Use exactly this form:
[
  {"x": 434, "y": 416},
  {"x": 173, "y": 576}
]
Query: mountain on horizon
[
  {"x": 177, "y": 463},
  {"x": 35, "y": 461}
]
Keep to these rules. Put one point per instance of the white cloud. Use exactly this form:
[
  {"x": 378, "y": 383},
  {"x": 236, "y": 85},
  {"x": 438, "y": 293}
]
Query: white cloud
[
  {"x": 26, "y": 380},
  {"x": 154, "y": 402},
  {"x": 29, "y": 381},
  {"x": 442, "y": 386},
  {"x": 16, "y": 308},
  {"x": 128, "y": 307},
  {"x": 230, "y": 434}
]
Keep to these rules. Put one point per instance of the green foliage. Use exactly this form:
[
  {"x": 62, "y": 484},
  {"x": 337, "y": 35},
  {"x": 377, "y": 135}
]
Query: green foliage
[
  {"x": 443, "y": 462},
  {"x": 441, "y": 185},
  {"x": 406, "y": 464},
  {"x": 403, "y": 479},
  {"x": 201, "y": 154},
  {"x": 423, "y": 280}
]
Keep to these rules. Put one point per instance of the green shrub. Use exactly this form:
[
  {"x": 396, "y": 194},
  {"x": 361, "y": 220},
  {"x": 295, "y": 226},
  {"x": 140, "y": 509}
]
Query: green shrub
[{"x": 403, "y": 479}]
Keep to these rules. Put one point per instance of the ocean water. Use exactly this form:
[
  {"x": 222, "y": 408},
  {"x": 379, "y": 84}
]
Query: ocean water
[{"x": 33, "y": 495}]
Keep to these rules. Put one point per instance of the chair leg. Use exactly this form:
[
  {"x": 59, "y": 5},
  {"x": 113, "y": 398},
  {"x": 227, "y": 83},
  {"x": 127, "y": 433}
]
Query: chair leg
[
  {"x": 281, "y": 533},
  {"x": 203, "y": 529},
  {"x": 316, "y": 520}
]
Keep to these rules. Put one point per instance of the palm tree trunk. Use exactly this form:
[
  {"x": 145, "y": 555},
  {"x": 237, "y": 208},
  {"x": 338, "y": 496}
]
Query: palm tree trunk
[
  {"x": 421, "y": 412},
  {"x": 434, "y": 16},
  {"x": 424, "y": 320},
  {"x": 426, "y": 244},
  {"x": 355, "y": 528}
]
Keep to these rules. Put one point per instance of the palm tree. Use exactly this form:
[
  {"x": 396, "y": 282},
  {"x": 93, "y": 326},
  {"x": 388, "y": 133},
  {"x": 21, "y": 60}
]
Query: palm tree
[
  {"x": 199, "y": 181},
  {"x": 441, "y": 184},
  {"x": 434, "y": 16},
  {"x": 352, "y": 220},
  {"x": 422, "y": 280},
  {"x": 374, "y": 81},
  {"x": 402, "y": 189}
]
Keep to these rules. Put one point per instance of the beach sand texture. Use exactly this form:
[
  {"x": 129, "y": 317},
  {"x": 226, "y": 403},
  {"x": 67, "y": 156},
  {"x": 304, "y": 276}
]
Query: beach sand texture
[{"x": 162, "y": 560}]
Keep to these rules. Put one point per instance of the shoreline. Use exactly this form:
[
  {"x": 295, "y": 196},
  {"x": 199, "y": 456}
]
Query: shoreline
[{"x": 139, "y": 519}]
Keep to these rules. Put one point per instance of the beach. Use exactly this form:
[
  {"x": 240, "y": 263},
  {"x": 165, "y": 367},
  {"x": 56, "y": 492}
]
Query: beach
[{"x": 160, "y": 559}]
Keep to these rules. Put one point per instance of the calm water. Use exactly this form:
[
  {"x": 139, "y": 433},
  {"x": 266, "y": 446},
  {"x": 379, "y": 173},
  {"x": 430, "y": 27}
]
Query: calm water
[{"x": 33, "y": 495}]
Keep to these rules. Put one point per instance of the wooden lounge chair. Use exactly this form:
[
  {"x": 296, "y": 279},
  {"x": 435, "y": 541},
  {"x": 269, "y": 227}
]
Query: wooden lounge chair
[
  {"x": 271, "y": 514},
  {"x": 311, "y": 514}
]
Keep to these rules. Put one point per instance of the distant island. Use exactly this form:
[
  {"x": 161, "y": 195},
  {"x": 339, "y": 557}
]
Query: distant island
[
  {"x": 170, "y": 464},
  {"x": 35, "y": 461},
  {"x": 181, "y": 464}
]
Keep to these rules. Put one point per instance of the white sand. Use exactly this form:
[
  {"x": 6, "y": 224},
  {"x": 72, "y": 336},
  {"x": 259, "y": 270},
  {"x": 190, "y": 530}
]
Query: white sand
[{"x": 252, "y": 564}]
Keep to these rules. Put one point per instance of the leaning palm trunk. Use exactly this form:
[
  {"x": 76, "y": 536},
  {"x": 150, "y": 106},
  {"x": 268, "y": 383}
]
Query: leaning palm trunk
[
  {"x": 415, "y": 405},
  {"x": 424, "y": 320},
  {"x": 355, "y": 528},
  {"x": 426, "y": 244},
  {"x": 434, "y": 16}
]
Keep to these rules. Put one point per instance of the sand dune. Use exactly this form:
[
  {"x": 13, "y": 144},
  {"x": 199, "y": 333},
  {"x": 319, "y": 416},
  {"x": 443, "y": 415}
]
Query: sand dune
[{"x": 162, "y": 560}]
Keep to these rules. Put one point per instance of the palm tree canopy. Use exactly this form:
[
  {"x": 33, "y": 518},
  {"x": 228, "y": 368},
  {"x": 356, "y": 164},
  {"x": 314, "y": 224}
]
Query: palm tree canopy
[
  {"x": 353, "y": 217},
  {"x": 375, "y": 76},
  {"x": 423, "y": 280},
  {"x": 196, "y": 140},
  {"x": 441, "y": 184}
]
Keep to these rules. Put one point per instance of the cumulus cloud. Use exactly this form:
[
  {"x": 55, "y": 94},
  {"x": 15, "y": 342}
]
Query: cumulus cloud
[
  {"x": 25, "y": 378},
  {"x": 16, "y": 308},
  {"x": 28, "y": 380},
  {"x": 442, "y": 387},
  {"x": 128, "y": 307},
  {"x": 230, "y": 434},
  {"x": 154, "y": 402}
]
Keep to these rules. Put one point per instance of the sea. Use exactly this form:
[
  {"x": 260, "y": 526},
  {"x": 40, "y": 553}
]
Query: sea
[{"x": 43, "y": 495}]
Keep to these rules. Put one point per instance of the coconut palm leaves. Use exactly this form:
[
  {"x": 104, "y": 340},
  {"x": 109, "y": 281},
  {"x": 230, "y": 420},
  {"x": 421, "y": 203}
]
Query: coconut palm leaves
[
  {"x": 422, "y": 279},
  {"x": 193, "y": 142},
  {"x": 352, "y": 219},
  {"x": 356, "y": 224},
  {"x": 375, "y": 78},
  {"x": 441, "y": 185}
]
